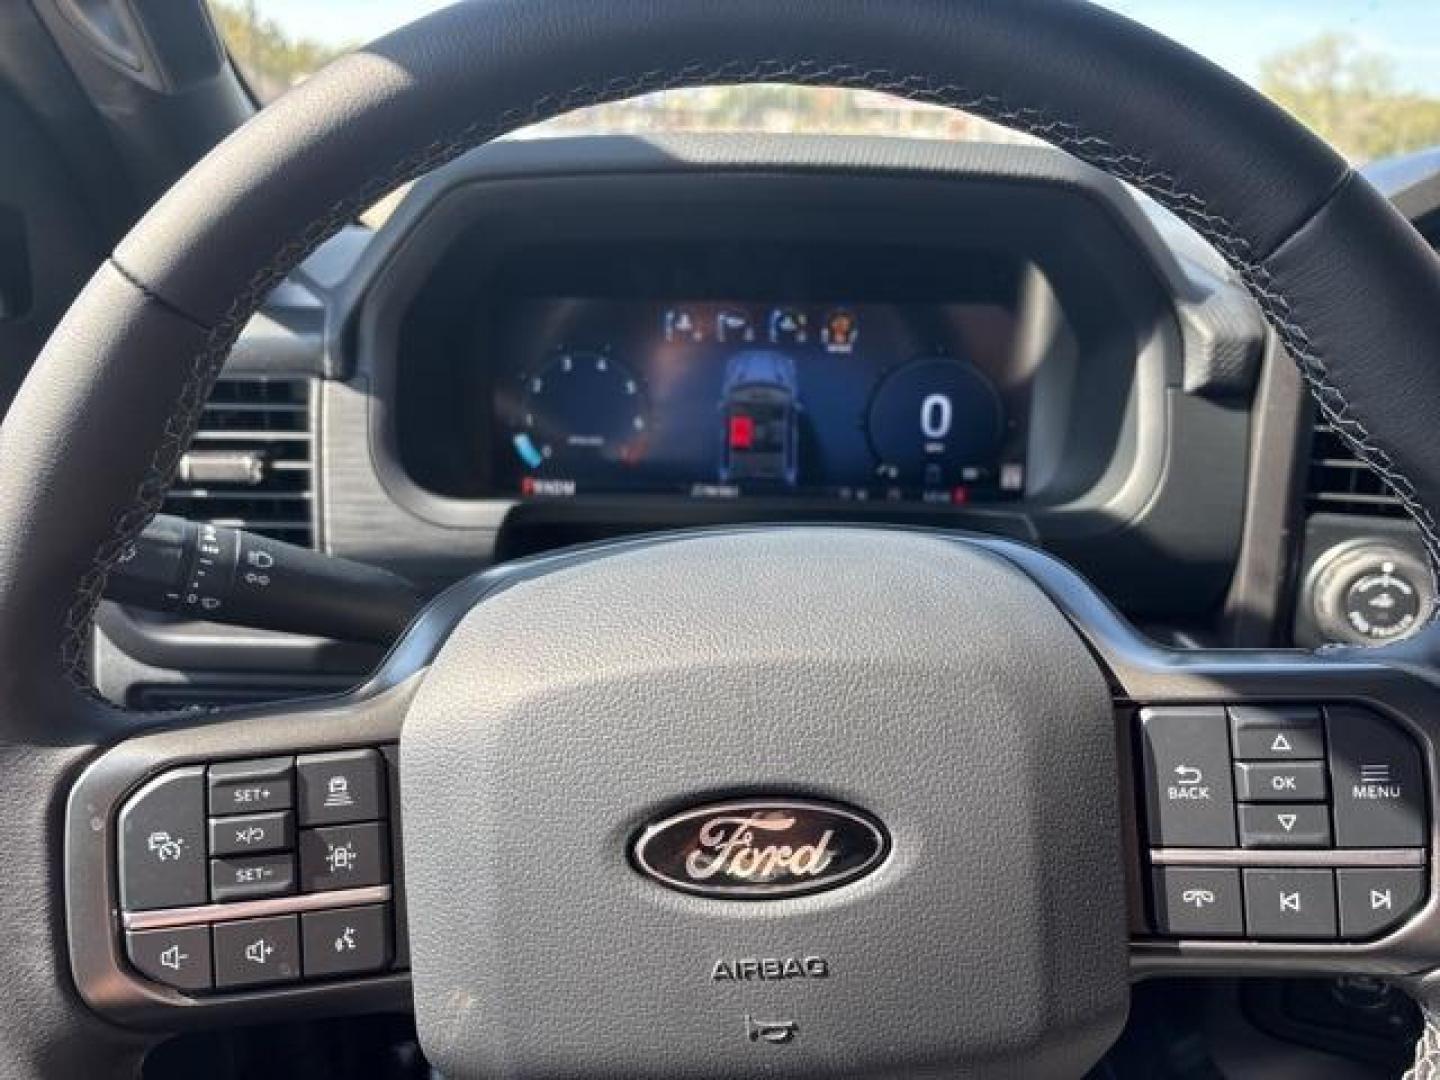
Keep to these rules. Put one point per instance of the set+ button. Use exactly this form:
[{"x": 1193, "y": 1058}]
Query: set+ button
[{"x": 247, "y": 787}]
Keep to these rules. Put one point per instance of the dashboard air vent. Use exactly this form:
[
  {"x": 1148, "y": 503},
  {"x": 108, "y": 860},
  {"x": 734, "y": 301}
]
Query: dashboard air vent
[
  {"x": 1340, "y": 483},
  {"x": 251, "y": 464}
]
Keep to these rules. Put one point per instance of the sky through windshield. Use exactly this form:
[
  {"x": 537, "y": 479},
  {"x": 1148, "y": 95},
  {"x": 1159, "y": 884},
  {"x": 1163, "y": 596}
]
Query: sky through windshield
[{"x": 1365, "y": 74}]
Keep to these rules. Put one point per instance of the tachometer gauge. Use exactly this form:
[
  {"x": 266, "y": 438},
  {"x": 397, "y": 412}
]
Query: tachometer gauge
[
  {"x": 582, "y": 409},
  {"x": 931, "y": 418}
]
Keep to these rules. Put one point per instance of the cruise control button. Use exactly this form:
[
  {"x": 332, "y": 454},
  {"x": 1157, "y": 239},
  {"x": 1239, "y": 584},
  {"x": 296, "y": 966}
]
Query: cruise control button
[
  {"x": 1284, "y": 904},
  {"x": 1373, "y": 901},
  {"x": 1197, "y": 901},
  {"x": 162, "y": 842},
  {"x": 343, "y": 857},
  {"x": 1281, "y": 825},
  {"x": 341, "y": 787},
  {"x": 255, "y": 952},
  {"x": 1280, "y": 781},
  {"x": 1276, "y": 732},
  {"x": 1377, "y": 781},
  {"x": 178, "y": 957},
  {"x": 346, "y": 941},
  {"x": 251, "y": 877},
  {"x": 1187, "y": 777},
  {"x": 245, "y": 787},
  {"x": 252, "y": 833}
]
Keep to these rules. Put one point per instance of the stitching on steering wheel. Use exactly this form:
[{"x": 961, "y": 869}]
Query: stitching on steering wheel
[{"x": 1092, "y": 148}]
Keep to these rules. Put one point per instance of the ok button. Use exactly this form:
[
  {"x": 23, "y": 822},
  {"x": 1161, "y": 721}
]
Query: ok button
[{"x": 1280, "y": 781}]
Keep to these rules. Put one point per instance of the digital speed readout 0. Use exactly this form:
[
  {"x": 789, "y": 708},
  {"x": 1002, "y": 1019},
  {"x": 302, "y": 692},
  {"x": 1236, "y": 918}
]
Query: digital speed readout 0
[{"x": 729, "y": 399}]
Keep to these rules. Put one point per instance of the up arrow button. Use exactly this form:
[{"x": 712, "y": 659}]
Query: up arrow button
[{"x": 1276, "y": 733}]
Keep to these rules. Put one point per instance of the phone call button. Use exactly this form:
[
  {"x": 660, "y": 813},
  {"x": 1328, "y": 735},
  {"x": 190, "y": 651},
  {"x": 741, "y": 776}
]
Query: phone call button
[{"x": 1198, "y": 901}]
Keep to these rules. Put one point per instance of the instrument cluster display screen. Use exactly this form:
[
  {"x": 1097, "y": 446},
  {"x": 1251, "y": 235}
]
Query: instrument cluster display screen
[{"x": 742, "y": 399}]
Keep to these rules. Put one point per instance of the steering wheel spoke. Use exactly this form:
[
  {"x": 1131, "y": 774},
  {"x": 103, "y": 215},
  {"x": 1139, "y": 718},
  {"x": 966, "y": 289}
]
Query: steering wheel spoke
[{"x": 1277, "y": 803}]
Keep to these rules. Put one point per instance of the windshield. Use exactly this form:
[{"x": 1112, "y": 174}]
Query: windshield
[{"x": 1363, "y": 74}]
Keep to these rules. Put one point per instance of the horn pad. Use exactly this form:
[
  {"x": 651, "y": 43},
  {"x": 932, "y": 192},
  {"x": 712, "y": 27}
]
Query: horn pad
[{"x": 925, "y": 685}]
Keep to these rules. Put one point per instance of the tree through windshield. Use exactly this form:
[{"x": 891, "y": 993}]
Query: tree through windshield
[{"x": 1363, "y": 74}]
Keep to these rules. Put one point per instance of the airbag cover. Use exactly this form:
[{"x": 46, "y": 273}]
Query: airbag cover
[{"x": 926, "y": 683}]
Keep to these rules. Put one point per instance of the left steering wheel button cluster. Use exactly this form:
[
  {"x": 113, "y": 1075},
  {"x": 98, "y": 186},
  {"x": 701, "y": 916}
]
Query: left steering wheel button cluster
[{"x": 255, "y": 892}]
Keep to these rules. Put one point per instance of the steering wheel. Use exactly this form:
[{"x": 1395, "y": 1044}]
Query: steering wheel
[{"x": 779, "y": 801}]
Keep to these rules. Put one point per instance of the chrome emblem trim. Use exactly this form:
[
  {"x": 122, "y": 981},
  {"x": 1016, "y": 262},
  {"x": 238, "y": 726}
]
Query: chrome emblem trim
[{"x": 761, "y": 849}]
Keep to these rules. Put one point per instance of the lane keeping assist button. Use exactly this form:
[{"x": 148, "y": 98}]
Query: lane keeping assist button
[{"x": 1186, "y": 751}]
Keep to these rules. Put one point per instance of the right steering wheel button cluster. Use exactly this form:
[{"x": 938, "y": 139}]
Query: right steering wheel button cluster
[
  {"x": 299, "y": 872},
  {"x": 1282, "y": 822}
]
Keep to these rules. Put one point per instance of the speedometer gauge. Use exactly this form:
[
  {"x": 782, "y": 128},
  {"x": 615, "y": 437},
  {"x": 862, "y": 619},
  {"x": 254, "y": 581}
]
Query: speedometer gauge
[
  {"x": 582, "y": 409},
  {"x": 931, "y": 418}
]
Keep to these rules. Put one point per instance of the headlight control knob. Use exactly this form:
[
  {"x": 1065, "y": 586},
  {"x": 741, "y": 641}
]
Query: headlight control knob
[{"x": 1369, "y": 592}]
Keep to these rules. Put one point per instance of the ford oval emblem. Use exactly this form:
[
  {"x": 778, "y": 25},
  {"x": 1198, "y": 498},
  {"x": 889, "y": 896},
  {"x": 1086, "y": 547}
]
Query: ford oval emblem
[{"x": 761, "y": 849}]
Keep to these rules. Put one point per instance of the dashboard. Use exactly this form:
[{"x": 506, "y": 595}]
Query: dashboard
[
  {"x": 561, "y": 340},
  {"x": 879, "y": 392}
]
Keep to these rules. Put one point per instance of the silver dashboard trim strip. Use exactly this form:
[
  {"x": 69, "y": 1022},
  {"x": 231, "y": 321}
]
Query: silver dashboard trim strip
[
  {"x": 1288, "y": 857},
  {"x": 164, "y": 918}
]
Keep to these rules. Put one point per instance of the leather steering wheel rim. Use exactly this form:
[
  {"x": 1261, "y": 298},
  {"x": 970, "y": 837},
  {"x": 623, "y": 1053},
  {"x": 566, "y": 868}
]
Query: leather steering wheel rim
[{"x": 91, "y": 442}]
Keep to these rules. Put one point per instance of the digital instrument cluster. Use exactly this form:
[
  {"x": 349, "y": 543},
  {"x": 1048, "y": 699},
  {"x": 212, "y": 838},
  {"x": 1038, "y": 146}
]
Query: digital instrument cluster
[{"x": 717, "y": 399}]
